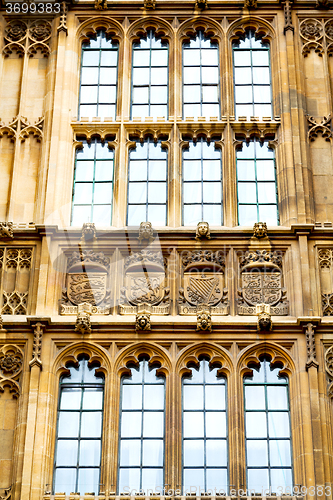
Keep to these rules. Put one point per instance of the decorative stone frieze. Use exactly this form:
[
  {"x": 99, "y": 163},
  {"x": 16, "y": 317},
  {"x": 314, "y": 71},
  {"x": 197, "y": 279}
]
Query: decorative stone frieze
[
  {"x": 261, "y": 283},
  {"x": 88, "y": 232},
  {"x": 311, "y": 360},
  {"x": 145, "y": 284},
  {"x": 146, "y": 232},
  {"x": 323, "y": 127},
  {"x": 6, "y": 230},
  {"x": 260, "y": 230},
  {"x": 325, "y": 259},
  {"x": 204, "y": 319},
  {"x": 11, "y": 365},
  {"x": 203, "y": 282},
  {"x": 15, "y": 269},
  {"x": 202, "y": 231},
  {"x": 86, "y": 281}
]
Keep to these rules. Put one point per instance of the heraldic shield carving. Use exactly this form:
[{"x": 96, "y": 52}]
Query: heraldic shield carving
[
  {"x": 203, "y": 282},
  {"x": 145, "y": 284},
  {"x": 86, "y": 281},
  {"x": 261, "y": 282}
]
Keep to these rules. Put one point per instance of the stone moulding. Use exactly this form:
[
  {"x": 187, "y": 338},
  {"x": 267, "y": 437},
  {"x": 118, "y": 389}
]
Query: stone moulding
[
  {"x": 203, "y": 283},
  {"x": 86, "y": 281},
  {"x": 309, "y": 331}
]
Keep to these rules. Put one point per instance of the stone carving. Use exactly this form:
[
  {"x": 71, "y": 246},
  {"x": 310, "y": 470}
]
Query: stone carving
[
  {"x": 325, "y": 258},
  {"x": 250, "y": 4},
  {"x": 101, "y": 4},
  {"x": 202, "y": 231},
  {"x": 315, "y": 35},
  {"x": 15, "y": 267},
  {"x": 264, "y": 318},
  {"x": 201, "y": 4},
  {"x": 204, "y": 319},
  {"x": 88, "y": 232},
  {"x": 327, "y": 304},
  {"x": 323, "y": 127},
  {"x": 7, "y": 494},
  {"x": 11, "y": 365},
  {"x": 83, "y": 323},
  {"x": 288, "y": 22},
  {"x": 146, "y": 232},
  {"x": 203, "y": 282},
  {"x": 86, "y": 281},
  {"x": 145, "y": 284},
  {"x": 63, "y": 18},
  {"x": 20, "y": 128},
  {"x": 27, "y": 37},
  {"x": 309, "y": 331},
  {"x": 6, "y": 230},
  {"x": 322, "y": 4},
  {"x": 329, "y": 370},
  {"x": 149, "y": 4},
  {"x": 37, "y": 346},
  {"x": 261, "y": 283},
  {"x": 260, "y": 230},
  {"x": 142, "y": 321}
]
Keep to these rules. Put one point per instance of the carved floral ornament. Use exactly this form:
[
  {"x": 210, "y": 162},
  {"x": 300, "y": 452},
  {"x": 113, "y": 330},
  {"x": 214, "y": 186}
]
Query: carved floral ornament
[
  {"x": 11, "y": 365},
  {"x": 203, "y": 283},
  {"x": 261, "y": 283},
  {"x": 145, "y": 286},
  {"x": 86, "y": 281},
  {"x": 317, "y": 35},
  {"x": 27, "y": 38}
]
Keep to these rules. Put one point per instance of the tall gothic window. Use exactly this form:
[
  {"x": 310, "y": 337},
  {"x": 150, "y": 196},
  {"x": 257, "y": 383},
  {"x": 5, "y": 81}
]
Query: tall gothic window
[
  {"x": 150, "y": 77},
  {"x": 256, "y": 184},
  {"x": 79, "y": 431},
  {"x": 253, "y": 95},
  {"x": 205, "y": 462},
  {"x": 99, "y": 66},
  {"x": 93, "y": 178},
  {"x": 141, "y": 444},
  {"x": 202, "y": 183},
  {"x": 201, "y": 94},
  {"x": 147, "y": 184},
  {"x": 267, "y": 430}
]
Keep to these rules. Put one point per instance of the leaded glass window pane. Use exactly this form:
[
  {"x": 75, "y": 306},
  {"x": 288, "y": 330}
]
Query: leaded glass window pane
[
  {"x": 141, "y": 444},
  {"x": 99, "y": 73},
  {"x": 79, "y": 431},
  {"x": 147, "y": 184},
  {"x": 253, "y": 94},
  {"x": 205, "y": 456},
  {"x": 256, "y": 184},
  {"x": 202, "y": 184},
  {"x": 201, "y": 78},
  {"x": 150, "y": 58},
  {"x": 267, "y": 430},
  {"x": 93, "y": 180}
]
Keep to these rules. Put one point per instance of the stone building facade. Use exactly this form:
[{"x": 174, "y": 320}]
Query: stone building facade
[{"x": 166, "y": 239}]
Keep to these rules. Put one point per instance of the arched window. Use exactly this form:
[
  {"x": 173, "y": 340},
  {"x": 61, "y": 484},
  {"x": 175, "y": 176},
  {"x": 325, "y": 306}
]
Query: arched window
[
  {"x": 93, "y": 179},
  {"x": 201, "y": 94},
  {"x": 267, "y": 430},
  {"x": 202, "y": 183},
  {"x": 205, "y": 456},
  {"x": 79, "y": 431},
  {"x": 256, "y": 184},
  {"x": 147, "y": 184},
  {"x": 150, "y": 59},
  {"x": 141, "y": 444},
  {"x": 99, "y": 68},
  {"x": 253, "y": 94}
]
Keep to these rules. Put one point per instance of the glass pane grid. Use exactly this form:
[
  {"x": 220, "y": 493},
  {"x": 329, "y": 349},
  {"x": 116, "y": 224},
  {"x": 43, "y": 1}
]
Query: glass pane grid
[
  {"x": 205, "y": 465},
  {"x": 201, "y": 78},
  {"x": 141, "y": 448},
  {"x": 267, "y": 429},
  {"x": 252, "y": 78},
  {"x": 99, "y": 74},
  {"x": 93, "y": 179},
  {"x": 256, "y": 184},
  {"x": 202, "y": 184},
  {"x": 79, "y": 431},
  {"x": 150, "y": 78},
  {"x": 147, "y": 184}
]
